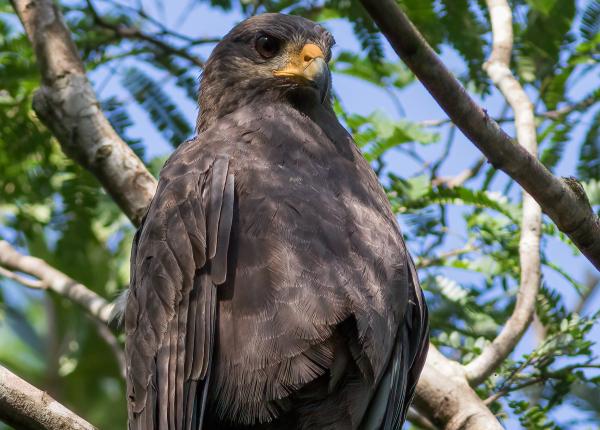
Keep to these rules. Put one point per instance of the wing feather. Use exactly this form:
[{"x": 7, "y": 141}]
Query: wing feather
[
  {"x": 218, "y": 181},
  {"x": 219, "y": 262},
  {"x": 179, "y": 257},
  {"x": 394, "y": 393},
  {"x": 409, "y": 354}
]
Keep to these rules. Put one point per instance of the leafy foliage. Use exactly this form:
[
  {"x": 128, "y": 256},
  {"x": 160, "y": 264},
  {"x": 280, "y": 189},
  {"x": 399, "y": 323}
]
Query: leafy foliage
[
  {"x": 464, "y": 234},
  {"x": 589, "y": 155},
  {"x": 162, "y": 110}
]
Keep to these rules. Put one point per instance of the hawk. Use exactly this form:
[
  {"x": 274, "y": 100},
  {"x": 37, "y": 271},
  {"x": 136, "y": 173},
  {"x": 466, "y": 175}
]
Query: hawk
[{"x": 271, "y": 287}]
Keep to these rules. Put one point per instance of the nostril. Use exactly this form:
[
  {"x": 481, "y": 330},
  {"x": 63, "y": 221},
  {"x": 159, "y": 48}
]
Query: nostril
[{"x": 307, "y": 58}]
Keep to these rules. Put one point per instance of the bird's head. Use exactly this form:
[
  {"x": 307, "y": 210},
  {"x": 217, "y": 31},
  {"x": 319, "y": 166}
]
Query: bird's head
[{"x": 272, "y": 56}]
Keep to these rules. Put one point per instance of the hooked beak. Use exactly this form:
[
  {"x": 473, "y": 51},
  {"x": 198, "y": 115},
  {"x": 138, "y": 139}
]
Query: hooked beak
[{"x": 308, "y": 67}]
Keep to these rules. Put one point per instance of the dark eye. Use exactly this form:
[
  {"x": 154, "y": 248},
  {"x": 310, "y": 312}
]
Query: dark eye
[{"x": 267, "y": 46}]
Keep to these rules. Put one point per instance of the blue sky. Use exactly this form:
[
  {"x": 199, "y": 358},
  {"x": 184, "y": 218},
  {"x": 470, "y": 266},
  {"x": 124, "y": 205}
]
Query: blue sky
[{"x": 363, "y": 98}]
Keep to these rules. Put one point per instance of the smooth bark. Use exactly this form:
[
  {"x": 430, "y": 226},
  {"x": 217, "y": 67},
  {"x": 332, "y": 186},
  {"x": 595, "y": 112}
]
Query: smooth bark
[{"x": 26, "y": 408}]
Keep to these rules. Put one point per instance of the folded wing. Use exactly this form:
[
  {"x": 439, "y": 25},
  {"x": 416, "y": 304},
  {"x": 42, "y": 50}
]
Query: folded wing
[{"x": 179, "y": 258}]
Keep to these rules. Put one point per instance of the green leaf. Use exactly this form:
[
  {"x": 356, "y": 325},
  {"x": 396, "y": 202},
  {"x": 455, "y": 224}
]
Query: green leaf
[
  {"x": 165, "y": 115},
  {"x": 588, "y": 167},
  {"x": 377, "y": 133},
  {"x": 465, "y": 32},
  {"x": 592, "y": 189},
  {"x": 590, "y": 21},
  {"x": 547, "y": 29},
  {"x": 382, "y": 74}
]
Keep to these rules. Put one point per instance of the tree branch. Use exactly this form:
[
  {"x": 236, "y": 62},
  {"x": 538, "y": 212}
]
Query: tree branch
[
  {"x": 98, "y": 309},
  {"x": 25, "y": 407},
  {"x": 66, "y": 104},
  {"x": 56, "y": 281},
  {"x": 419, "y": 420},
  {"x": 563, "y": 199},
  {"x": 164, "y": 31},
  {"x": 113, "y": 343},
  {"x": 445, "y": 397},
  {"x": 30, "y": 283},
  {"x": 591, "y": 285},
  {"x": 498, "y": 68},
  {"x": 461, "y": 178}
]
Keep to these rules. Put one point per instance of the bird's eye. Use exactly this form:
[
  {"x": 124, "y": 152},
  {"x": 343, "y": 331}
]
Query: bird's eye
[{"x": 267, "y": 46}]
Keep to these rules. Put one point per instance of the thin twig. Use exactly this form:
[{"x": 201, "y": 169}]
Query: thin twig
[
  {"x": 591, "y": 286},
  {"x": 136, "y": 33},
  {"x": 416, "y": 418},
  {"x": 462, "y": 177},
  {"x": 556, "y": 374},
  {"x": 551, "y": 114},
  {"x": 427, "y": 262},
  {"x": 111, "y": 340}
]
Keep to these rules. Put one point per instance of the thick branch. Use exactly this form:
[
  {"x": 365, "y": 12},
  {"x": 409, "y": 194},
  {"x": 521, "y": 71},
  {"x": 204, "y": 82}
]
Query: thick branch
[
  {"x": 25, "y": 407},
  {"x": 498, "y": 68},
  {"x": 446, "y": 399},
  {"x": 56, "y": 281},
  {"x": 562, "y": 199},
  {"x": 68, "y": 107}
]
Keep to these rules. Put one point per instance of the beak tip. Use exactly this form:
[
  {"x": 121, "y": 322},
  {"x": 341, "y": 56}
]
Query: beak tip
[{"x": 321, "y": 77}]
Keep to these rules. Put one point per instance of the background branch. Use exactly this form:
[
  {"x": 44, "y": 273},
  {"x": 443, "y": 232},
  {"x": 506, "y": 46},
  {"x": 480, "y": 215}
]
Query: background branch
[
  {"x": 461, "y": 178},
  {"x": 564, "y": 200},
  {"x": 98, "y": 308},
  {"x": 27, "y": 408},
  {"x": 498, "y": 68},
  {"x": 56, "y": 281}
]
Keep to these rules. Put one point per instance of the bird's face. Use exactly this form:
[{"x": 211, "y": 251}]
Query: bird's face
[
  {"x": 271, "y": 54},
  {"x": 300, "y": 65}
]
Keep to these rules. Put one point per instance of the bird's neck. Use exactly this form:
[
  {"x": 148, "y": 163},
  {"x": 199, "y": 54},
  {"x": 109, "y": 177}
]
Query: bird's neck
[
  {"x": 219, "y": 100},
  {"x": 224, "y": 98}
]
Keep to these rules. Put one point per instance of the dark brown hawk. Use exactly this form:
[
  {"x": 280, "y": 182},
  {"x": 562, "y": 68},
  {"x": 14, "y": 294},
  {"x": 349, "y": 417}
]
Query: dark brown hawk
[{"x": 270, "y": 285}]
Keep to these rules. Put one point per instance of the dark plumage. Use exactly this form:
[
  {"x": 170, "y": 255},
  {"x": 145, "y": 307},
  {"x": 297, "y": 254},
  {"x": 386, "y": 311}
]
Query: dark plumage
[{"x": 270, "y": 285}]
